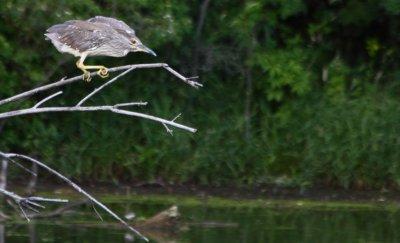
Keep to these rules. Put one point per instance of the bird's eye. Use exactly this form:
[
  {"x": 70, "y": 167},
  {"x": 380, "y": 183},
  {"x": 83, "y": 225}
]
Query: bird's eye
[{"x": 134, "y": 42}]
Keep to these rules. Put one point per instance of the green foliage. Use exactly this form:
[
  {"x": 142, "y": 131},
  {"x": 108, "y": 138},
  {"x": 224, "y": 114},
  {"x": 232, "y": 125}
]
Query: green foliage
[
  {"x": 284, "y": 69},
  {"x": 321, "y": 78},
  {"x": 342, "y": 142}
]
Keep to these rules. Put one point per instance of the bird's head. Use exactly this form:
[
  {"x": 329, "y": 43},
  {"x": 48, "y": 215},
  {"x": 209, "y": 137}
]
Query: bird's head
[{"x": 137, "y": 46}]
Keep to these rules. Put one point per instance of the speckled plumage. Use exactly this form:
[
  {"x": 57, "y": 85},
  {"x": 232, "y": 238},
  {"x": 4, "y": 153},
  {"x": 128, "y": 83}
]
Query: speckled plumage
[
  {"x": 118, "y": 25},
  {"x": 98, "y": 36},
  {"x": 93, "y": 38}
]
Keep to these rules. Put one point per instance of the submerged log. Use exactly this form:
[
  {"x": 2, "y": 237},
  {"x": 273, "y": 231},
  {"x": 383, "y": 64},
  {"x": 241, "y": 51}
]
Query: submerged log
[
  {"x": 162, "y": 227},
  {"x": 164, "y": 219}
]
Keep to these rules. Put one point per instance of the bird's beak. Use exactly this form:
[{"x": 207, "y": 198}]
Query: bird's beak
[{"x": 146, "y": 49}]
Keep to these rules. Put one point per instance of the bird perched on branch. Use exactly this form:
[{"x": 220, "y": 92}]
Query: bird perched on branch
[{"x": 98, "y": 36}]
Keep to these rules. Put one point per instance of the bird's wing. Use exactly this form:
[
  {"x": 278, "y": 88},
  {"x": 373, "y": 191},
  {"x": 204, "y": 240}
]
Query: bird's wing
[
  {"x": 118, "y": 25},
  {"x": 80, "y": 35}
]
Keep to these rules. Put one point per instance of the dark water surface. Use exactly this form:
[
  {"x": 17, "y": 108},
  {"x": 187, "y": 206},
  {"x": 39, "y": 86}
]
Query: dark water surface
[{"x": 203, "y": 223}]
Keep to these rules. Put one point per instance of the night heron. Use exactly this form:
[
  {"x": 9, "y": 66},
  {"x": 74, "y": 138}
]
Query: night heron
[{"x": 98, "y": 36}]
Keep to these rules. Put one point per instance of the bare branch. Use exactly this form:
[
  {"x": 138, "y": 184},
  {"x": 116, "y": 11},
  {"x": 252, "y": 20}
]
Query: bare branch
[
  {"x": 93, "y": 108},
  {"x": 189, "y": 81},
  {"x": 42, "y": 199},
  {"x": 28, "y": 202},
  {"x": 115, "y": 109},
  {"x": 10, "y": 194},
  {"x": 47, "y": 99},
  {"x": 64, "y": 81},
  {"x": 98, "y": 89},
  {"x": 154, "y": 118},
  {"x": 72, "y": 184},
  {"x": 140, "y": 103},
  {"x": 22, "y": 167}
]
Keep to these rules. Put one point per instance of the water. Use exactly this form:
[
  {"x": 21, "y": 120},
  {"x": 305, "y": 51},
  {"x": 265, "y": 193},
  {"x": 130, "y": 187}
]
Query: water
[{"x": 278, "y": 223}]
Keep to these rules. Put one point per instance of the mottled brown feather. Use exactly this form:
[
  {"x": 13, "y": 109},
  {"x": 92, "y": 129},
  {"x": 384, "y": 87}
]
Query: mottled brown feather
[
  {"x": 82, "y": 35},
  {"x": 120, "y": 26}
]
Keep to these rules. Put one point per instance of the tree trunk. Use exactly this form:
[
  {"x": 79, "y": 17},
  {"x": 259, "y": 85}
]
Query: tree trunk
[
  {"x": 31, "y": 187},
  {"x": 3, "y": 174},
  {"x": 2, "y": 233},
  {"x": 247, "y": 108},
  {"x": 197, "y": 41}
]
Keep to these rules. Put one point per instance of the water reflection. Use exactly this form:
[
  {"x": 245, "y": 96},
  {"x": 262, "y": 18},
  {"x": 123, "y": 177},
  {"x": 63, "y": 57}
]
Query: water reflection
[
  {"x": 204, "y": 224},
  {"x": 2, "y": 233},
  {"x": 32, "y": 233}
]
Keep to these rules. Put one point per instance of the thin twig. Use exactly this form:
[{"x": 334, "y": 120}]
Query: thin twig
[
  {"x": 32, "y": 208},
  {"x": 170, "y": 131},
  {"x": 23, "y": 212},
  {"x": 22, "y": 167},
  {"x": 42, "y": 199},
  {"x": 98, "y": 215},
  {"x": 154, "y": 118},
  {"x": 98, "y": 89},
  {"x": 140, "y": 103},
  {"x": 47, "y": 99},
  {"x": 179, "y": 115}
]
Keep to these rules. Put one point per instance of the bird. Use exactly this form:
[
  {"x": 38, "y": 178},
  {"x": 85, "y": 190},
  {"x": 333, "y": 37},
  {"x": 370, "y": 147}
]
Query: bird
[{"x": 97, "y": 36}]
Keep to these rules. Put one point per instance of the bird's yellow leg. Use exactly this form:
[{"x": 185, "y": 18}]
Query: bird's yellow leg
[
  {"x": 102, "y": 71},
  {"x": 81, "y": 66},
  {"x": 86, "y": 74}
]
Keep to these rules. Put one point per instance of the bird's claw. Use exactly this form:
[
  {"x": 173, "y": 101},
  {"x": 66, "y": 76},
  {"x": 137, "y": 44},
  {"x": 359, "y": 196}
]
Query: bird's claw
[
  {"x": 87, "y": 77},
  {"x": 103, "y": 72}
]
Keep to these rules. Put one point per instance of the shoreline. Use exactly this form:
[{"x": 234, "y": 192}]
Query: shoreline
[{"x": 233, "y": 193}]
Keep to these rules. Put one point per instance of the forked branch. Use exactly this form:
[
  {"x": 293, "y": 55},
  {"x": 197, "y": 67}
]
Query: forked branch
[
  {"x": 191, "y": 81},
  {"x": 29, "y": 203},
  {"x": 112, "y": 108}
]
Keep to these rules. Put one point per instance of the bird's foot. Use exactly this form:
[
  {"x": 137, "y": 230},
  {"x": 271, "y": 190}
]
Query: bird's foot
[
  {"x": 103, "y": 72},
  {"x": 86, "y": 76}
]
